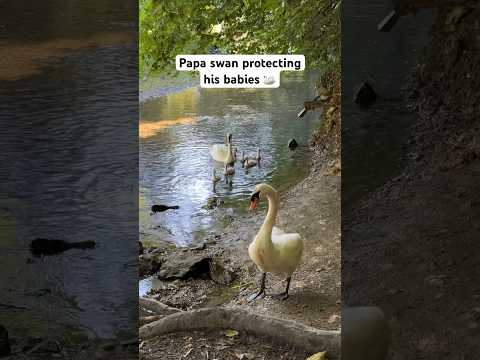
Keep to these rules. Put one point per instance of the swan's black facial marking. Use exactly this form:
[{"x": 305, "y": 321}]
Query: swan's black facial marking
[{"x": 254, "y": 199}]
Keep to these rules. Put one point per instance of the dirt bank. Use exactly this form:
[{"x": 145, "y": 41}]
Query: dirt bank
[{"x": 421, "y": 228}]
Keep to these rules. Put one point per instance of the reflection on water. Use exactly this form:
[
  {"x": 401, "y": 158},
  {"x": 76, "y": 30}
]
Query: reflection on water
[
  {"x": 33, "y": 34},
  {"x": 176, "y": 167},
  {"x": 148, "y": 129},
  {"x": 68, "y": 90},
  {"x": 19, "y": 60}
]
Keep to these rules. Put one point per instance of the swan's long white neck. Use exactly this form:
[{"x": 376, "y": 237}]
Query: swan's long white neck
[
  {"x": 269, "y": 221},
  {"x": 230, "y": 154}
]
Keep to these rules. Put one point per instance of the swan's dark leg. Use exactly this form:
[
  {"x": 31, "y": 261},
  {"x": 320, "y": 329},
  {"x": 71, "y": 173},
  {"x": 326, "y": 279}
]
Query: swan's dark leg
[
  {"x": 260, "y": 292},
  {"x": 284, "y": 295}
]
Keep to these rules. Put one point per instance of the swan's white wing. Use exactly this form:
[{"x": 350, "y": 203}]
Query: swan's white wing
[
  {"x": 219, "y": 152},
  {"x": 277, "y": 231},
  {"x": 280, "y": 237},
  {"x": 289, "y": 248}
]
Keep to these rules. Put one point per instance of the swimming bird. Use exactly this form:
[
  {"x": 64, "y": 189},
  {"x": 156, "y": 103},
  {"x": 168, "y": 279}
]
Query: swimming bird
[
  {"x": 223, "y": 152},
  {"x": 215, "y": 179},
  {"x": 229, "y": 171},
  {"x": 162, "y": 208},
  {"x": 292, "y": 144},
  {"x": 249, "y": 163},
  {"x": 48, "y": 247},
  {"x": 259, "y": 157},
  {"x": 273, "y": 250}
]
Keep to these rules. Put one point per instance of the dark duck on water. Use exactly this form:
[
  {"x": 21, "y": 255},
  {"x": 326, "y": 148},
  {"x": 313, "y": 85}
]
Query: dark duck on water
[
  {"x": 47, "y": 247},
  {"x": 162, "y": 208}
]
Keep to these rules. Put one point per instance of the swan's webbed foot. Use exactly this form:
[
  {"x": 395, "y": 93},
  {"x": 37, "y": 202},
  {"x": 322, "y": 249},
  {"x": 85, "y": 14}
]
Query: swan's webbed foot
[{"x": 261, "y": 292}]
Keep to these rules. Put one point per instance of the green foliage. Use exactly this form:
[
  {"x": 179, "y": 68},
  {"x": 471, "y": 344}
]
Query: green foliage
[{"x": 172, "y": 27}]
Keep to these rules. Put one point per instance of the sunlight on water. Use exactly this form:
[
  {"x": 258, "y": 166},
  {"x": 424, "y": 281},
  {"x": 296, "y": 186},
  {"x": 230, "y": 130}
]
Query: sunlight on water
[
  {"x": 148, "y": 129},
  {"x": 20, "y": 61}
]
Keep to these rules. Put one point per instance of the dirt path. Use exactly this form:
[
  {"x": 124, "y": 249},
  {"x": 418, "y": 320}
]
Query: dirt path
[{"x": 215, "y": 345}]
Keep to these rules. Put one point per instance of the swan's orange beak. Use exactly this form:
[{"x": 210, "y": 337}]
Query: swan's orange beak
[{"x": 253, "y": 204}]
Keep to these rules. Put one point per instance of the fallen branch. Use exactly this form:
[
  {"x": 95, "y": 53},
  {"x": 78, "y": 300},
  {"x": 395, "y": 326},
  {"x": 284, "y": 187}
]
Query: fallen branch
[{"x": 281, "y": 331}]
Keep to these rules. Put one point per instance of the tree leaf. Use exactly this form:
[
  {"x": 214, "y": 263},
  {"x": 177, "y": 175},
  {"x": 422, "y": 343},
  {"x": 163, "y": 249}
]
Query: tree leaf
[
  {"x": 230, "y": 333},
  {"x": 318, "y": 356}
]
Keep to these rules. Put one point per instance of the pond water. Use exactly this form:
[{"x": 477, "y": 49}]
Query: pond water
[
  {"x": 68, "y": 88},
  {"x": 176, "y": 168}
]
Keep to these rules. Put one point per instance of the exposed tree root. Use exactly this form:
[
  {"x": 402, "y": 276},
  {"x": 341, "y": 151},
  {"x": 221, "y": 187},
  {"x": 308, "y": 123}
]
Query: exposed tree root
[
  {"x": 283, "y": 331},
  {"x": 154, "y": 307},
  {"x": 148, "y": 319}
]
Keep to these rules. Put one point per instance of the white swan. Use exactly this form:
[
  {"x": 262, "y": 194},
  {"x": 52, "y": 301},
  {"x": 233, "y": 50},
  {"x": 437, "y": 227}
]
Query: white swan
[
  {"x": 223, "y": 153},
  {"x": 273, "y": 250}
]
